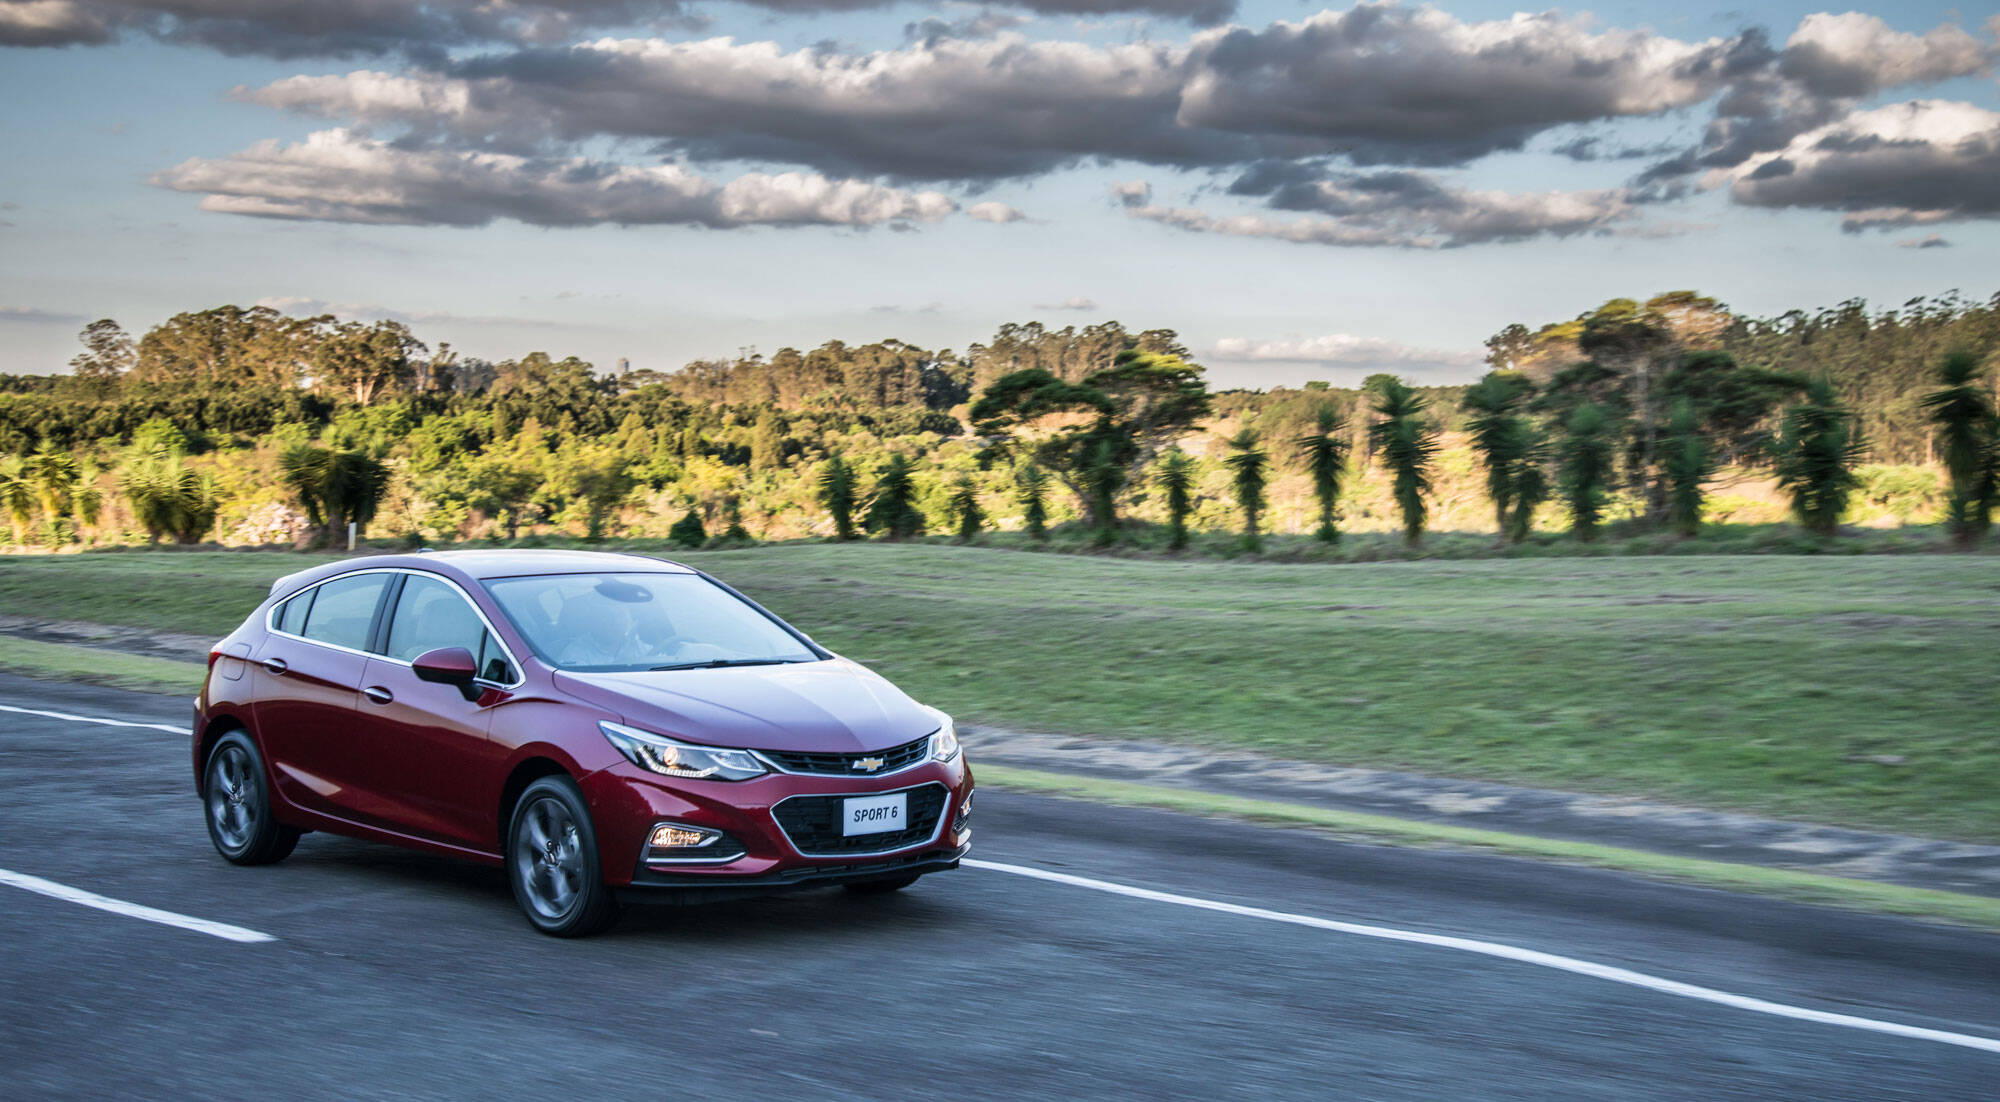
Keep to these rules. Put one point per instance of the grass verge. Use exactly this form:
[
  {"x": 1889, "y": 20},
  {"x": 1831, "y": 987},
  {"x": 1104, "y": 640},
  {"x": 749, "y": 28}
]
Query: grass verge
[
  {"x": 1789, "y": 884},
  {"x": 94, "y": 666}
]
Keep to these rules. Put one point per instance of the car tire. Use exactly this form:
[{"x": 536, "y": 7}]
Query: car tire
[
  {"x": 882, "y": 887},
  {"x": 236, "y": 801},
  {"x": 552, "y": 862}
]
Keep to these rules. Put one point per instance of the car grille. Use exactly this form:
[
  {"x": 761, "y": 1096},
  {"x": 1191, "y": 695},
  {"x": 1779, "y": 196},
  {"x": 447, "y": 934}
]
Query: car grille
[
  {"x": 842, "y": 765},
  {"x": 813, "y": 823}
]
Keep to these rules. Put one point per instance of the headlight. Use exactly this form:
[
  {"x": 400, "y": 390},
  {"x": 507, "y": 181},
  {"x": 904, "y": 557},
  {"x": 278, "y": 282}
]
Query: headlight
[
  {"x": 944, "y": 744},
  {"x": 680, "y": 759}
]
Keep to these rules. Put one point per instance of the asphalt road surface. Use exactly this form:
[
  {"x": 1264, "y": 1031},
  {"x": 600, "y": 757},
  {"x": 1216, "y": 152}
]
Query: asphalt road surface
[{"x": 1181, "y": 958}]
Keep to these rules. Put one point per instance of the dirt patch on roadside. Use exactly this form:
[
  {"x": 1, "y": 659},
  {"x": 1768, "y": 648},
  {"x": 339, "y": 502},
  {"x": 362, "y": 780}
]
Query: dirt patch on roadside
[{"x": 146, "y": 642}]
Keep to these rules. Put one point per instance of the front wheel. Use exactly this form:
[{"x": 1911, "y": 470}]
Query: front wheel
[
  {"x": 238, "y": 803},
  {"x": 552, "y": 862}
]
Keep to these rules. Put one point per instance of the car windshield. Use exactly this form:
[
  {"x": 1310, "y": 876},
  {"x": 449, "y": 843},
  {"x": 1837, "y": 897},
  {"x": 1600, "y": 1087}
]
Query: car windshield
[{"x": 641, "y": 621}]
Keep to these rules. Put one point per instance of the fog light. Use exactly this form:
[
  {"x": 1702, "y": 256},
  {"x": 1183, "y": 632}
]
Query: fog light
[{"x": 674, "y": 836}]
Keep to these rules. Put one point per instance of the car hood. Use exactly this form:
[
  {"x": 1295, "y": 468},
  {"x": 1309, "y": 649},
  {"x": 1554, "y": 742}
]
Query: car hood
[{"x": 834, "y": 706}]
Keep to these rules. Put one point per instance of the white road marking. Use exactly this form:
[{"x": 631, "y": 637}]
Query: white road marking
[
  {"x": 167, "y": 727},
  {"x": 131, "y": 910},
  {"x": 1510, "y": 952}
]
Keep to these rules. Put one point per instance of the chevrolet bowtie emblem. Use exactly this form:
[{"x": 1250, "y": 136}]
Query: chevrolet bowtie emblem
[{"x": 869, "y": 765}]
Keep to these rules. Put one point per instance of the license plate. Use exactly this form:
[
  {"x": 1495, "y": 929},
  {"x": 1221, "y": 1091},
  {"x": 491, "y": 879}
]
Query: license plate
[{"x": 874, "y": 814}]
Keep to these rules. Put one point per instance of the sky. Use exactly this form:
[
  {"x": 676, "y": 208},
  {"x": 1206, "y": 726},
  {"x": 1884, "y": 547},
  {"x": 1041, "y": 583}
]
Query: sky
[{"x": 1303, "y": 192}]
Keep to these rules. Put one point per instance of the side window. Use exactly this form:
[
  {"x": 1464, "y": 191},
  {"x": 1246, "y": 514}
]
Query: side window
[
  {"x": 493, "y": 664},
  {"x": 343, "y": 610},
  {"x": 431, "y": 614},
  {"x": 291, "y": 617}
]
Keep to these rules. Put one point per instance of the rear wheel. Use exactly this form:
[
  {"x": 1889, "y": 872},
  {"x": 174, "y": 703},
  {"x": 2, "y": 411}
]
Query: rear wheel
[
  {"x": 552, "y": 862},
  {"x": 883, "y": 887},
  {"x": 238, "y": 805}
]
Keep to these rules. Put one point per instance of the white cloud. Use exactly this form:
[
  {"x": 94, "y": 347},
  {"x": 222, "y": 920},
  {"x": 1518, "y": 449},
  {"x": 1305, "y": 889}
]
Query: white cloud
[
  {"x": 995, "y": 212},
  {"x": 1340, "y": 350},
  {"x": 1074, "y": 302}
]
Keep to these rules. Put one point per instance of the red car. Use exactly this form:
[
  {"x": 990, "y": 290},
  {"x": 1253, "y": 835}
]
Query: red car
[{"x": 608, "y": 727}]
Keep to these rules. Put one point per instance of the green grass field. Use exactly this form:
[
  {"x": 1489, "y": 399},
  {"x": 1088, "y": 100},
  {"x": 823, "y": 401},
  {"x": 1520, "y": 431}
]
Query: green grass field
[{"x": 1773, "y": 684}]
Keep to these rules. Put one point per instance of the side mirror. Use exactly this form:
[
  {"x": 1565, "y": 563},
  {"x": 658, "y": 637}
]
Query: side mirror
[{"x": 449, "y": 666}]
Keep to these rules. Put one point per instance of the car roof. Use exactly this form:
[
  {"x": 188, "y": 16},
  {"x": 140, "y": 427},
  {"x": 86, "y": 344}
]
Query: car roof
[{"x": 493, "y": 563}]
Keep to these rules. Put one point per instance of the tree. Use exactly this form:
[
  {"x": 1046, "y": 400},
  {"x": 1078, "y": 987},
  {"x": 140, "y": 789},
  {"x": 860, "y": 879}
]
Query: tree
[
  {"x": 1816, "y": 451},
  {"x": 1968, "y": 441},
  {"x": 1247, "y": 465},
  {"x": 334, "y": 488},
  {"x": 837, "y": 494},
  {"x": 1034, "y": 487},
  {"x": 688, "y": 531},
  {"x": 1529, "y": 481},
  {"x": 893, "y": 510},
  {"x": 1097, "y": 434},
  {"x": 1589, "y": 451},
  {"x": 1323, "y": 453},
  {"x": 965, "y": 511},
  {"x": 767, "y": 443},
  {"x": 17, "y": 495},
  {"x": 107, "y": 353},
  {"x": 228, "y": 346},
  {"x": 54, "y": 476},
  {"x": 169, "y": 498},
  {"x": 1176, "y": 478},
  {"x": 1406, "y": 443},
  {"x": 1687, "y": 467},
  {"x": 1496, "y": 403},
  {"x": 598, "y": 478},
  {"x": 366, "y": 361},
  {"x": 499, "y": 485}
]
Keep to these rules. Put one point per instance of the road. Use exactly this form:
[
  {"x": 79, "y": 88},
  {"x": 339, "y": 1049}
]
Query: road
[{"x": 393, "y": 974}]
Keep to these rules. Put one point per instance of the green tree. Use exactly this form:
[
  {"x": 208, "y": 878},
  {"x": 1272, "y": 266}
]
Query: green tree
[
  {"x": 169, "y": 498},
  {"x": 688, "y": 531},
  {"x": 229, "y": 346},
  {"x": 499, "y": 485},
  {"x": 54, "y": 475},
  {"x": 334, "y": 488},
  {"x": 1406, "y": 443},
  {"x": 1097, "y": 434},
  {"x": 1248, "y": 470},
  {"x": 1176, "y": 479},
  {"x": 837, "y": 494},
  {"x": 1687, "y": 467},
  {"x": 1034, "y": 487},
  {"x": 893, "y": 510},
  {"x": 1529, "y": 481},
  {"x": 107, "y": 353},
  {"x": 17, "y": 495},
  {"x": 366, "y": 361},
  {"x": 1817, "y": 450},
  {"x": 1496, "y": 403},
  {"x": 767, "y": 442},
  {"x": 965, "y": 511},
  {"x": 1968, "y": 440},
  {"x": 1589, "y": 451},
  {"x": 598, "y": 478},
  {"x": 1323, "y": 453}
]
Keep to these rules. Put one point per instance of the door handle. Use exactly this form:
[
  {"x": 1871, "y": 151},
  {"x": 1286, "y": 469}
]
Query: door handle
[
  {"x": 378, "y": 694},
  {"x": 276, "y": 665}
]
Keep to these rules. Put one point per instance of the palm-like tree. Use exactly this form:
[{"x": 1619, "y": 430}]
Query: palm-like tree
[
  {"x": 1176, "y": 479},
  {"x": 54, "y": 475},
  {"x": 1588, "y": 451},
  {"x": 1323, "y": 452},
  {"x": 1406, "y": 444},
  {"x": 894, "y": 508},
  {"x": 1817, "y": 447},
  {"x": 17, "y": 495},
  {"x": 1968, "y": 439},
  {"x": 1247, "y": 465},
  {"x": 965, "y": 510},
  {"x": 1686, "y": 467},
  {"x": 1496, "y": 402},
  {"x": 1034, "y": 486},
  {"x": 837, "y": 494}
]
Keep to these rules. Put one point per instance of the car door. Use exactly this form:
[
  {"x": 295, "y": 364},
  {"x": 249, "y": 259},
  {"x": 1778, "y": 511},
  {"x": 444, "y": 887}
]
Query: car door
[
  {"x": 423, "y": 747},
  {"x": 311, "y": 663}
]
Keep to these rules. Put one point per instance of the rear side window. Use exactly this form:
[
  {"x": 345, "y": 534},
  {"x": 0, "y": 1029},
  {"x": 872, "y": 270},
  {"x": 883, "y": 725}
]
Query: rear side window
[
  {"x": 292, "y": 614},
  {"x": 344, "y": 609}
]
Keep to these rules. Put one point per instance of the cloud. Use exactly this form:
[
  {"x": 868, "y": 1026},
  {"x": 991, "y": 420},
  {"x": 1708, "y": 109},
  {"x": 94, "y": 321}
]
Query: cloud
[
  {"x": 1074, "y": 302},
  {"x": 341, "y": 176},
  {"x": 1340, "y": 350},
  {"x": 995, "y": 212},
  {"x": 1132, "y": 193},
  {"x": 30, "y": 315},
  {"x": 1378, "y": 83},
  {"x": 1933, "y": 241},
  {"x": 1402, "y": 209},
  {"x": 1908, "y": 164},
  {"x": 430, "y": 29}
]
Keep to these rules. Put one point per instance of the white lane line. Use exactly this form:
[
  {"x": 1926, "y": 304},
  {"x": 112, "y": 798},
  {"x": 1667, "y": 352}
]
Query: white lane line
[
  {"x": 1510, "y": 952},
  {"x": 167, "y": 727},
  {"x": 131, "y": 910}
]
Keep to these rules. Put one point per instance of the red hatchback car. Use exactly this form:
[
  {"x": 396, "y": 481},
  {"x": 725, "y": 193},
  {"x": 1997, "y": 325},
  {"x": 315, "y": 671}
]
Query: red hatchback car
[{"x": 607, "y": 727}]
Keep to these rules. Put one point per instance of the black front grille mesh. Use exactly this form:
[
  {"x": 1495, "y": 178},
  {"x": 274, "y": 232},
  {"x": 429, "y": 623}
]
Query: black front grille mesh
[
  {"x": 813, "y": 823},
  {"x": 842, "y": 765}
]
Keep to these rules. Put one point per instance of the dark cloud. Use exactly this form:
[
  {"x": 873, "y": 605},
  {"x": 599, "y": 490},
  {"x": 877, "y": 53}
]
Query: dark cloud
[
  {"x": 340, "y": 176},
  {"x": 1933, "y": 241},
  {"x": 1908, "y": 164}
]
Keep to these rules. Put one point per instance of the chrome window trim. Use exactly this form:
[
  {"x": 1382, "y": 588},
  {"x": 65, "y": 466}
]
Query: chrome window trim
[
  {"x": 271, "y": 621},
  {"x": 944, "y": 819}
]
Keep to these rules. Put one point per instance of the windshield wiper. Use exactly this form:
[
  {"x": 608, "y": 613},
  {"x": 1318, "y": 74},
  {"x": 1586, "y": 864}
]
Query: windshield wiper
[{"x": 719, "y": 663}]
